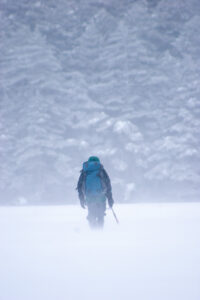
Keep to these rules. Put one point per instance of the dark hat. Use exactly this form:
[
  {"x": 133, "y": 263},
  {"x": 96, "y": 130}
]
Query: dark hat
[{"x": 93, "y": 158}]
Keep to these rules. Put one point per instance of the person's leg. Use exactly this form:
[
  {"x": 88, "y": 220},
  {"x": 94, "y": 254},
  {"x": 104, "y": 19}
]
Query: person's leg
[
  {"x": 92, "y": 215},
  {"x": 101, "y": 214}
]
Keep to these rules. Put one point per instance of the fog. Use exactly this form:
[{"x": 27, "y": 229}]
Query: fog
[{"x": 116, "y": 79}]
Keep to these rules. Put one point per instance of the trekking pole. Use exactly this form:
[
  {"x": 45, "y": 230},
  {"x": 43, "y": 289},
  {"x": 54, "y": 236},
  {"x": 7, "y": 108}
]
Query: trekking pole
[{"x": 114, "y": 214}]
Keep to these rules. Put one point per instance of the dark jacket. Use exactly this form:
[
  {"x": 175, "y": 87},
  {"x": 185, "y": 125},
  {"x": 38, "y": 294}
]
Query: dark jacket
[{"x": 105, "y": 180}]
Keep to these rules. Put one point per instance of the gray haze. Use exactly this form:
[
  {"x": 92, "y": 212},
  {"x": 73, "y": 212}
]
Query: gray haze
[{"x": 117, "y": 79}]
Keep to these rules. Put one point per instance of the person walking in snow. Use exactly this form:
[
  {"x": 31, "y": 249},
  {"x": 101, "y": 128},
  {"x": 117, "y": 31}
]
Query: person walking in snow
[{"x": 94, "y": 188}]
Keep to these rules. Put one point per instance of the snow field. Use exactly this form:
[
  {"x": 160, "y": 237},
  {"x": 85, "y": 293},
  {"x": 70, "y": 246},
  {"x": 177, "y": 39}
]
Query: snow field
[{"x": 50, "y": 253}]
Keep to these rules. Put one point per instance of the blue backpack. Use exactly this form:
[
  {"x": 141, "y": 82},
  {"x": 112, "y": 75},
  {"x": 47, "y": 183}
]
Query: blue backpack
[{"x": 93, "y": 184}]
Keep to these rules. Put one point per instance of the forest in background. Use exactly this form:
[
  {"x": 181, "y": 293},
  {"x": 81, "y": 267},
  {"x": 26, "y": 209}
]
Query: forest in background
[{"x": 116, "y": 79}]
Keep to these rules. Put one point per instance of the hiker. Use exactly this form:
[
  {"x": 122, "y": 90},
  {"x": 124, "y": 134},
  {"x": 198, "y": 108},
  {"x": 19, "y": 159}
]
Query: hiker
[{"x": 93, "y": 188}]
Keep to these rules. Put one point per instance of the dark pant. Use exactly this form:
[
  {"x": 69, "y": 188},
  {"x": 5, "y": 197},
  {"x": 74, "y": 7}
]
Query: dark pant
[{"x": 96, "y": 213}]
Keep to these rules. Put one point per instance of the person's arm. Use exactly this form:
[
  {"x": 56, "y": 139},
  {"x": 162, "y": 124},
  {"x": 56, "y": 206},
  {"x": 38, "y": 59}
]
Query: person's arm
[
  {"x": 108, "y": 188},
  {"x": 80, "y": 188}
]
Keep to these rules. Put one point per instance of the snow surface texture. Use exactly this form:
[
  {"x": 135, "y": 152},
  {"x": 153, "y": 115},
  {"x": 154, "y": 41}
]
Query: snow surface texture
[
  {"x": 117, "y": 79},
  {"x": 50, "y": 253}
]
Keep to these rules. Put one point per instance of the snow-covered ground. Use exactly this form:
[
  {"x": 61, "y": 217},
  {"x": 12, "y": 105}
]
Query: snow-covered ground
[{"x": 50, "y": 253}]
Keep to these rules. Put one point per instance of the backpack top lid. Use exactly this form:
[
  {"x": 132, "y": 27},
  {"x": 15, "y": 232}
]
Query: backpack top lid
[{"x": 90, "y": 166}]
